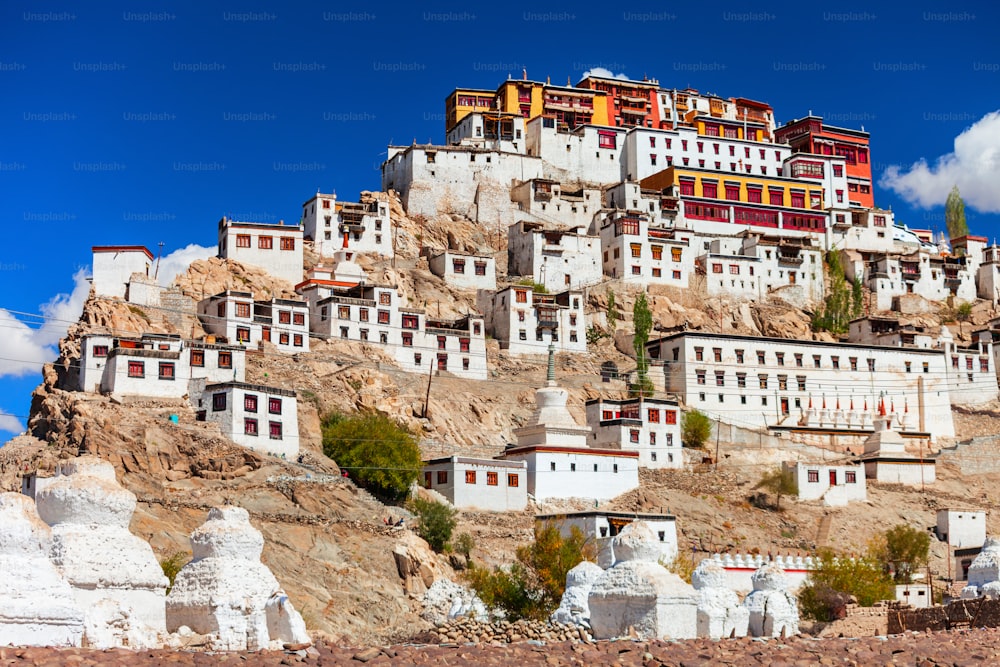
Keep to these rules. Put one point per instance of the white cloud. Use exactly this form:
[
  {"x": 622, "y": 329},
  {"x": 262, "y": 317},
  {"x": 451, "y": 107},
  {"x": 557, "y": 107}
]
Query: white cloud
[
  {"x": 603, "y": 73},
  {"x": 974, "y": 166},
  {"x": 26, "y": 347},
  {"x": 179, "y": 260},
  {"x": 10, "y": 424}
]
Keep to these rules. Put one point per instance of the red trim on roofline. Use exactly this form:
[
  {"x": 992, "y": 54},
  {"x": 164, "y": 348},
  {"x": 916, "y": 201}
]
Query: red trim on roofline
[
  {"x": 122, "y": 248},
  {"x": 572, "y": 450}
]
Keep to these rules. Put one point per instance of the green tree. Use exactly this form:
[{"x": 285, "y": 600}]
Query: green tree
[
  {"x": 696, "y": 429},
  {"x": 533, "y": 586},
  {"x": 173, "y": 564},
  {"x": 436, "y": 522},
  {"x": 954, "y": 215},
  {"x": 612, "y": 310},
  {"x": 906, "y": 549},
  {"x": 963, "y": 314},
  {"x": 464, "y": 544},
  {"x": 779, "y": 482},
  {"x": 843, "y": 300},
  {"x": 642, "y": 321},
  {"x": 836, "y": 580},
  {"x": 857, "y": 297},
  {"x": 379, "y": 454}
]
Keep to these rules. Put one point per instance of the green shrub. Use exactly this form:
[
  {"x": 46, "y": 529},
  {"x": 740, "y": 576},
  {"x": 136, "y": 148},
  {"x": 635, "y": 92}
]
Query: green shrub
[
  {"x": 172, "y": 565},
  {"x": 533, "y": 586},
  {"x": 696, "y": 429},
  {"x": 837, "y": 579},
  {"x": 779, "y": 482},
  {"x": 437, "y": 521},
  {"x": 464, "y": 544},
  {"x": 379, "y": 454}
]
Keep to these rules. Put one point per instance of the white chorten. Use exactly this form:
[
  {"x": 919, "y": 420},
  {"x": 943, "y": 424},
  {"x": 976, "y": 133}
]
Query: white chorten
[
  {"x": 89, "y": 512},
  {"x": 720, "y": 614},
  {"x": 641, "y": 594},
  {"x": 345, "y": 269},
  {"x": 773, "y": 610},
  {"x": 551, "y": 423},
  {"x": 984, "y": 573},
  {"x": 225, "y": 591},
  {"x": 37, "y": 607},
  {"x": 574, "y": 607}
]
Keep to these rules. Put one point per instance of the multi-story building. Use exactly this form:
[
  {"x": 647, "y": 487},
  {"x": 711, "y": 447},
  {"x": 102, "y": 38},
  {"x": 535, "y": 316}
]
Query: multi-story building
[
  {"x": 489, "y": 129},
  {"x": 156, "y": 365},
  {"x": 374, "y": 314},
  {"x": 546, "y": 201},
  {"x": 260, "y": 418},
  {"x": 812, "y": 135},
  {"x": 585, "y": 154},
  {"x": 275, "y": 248},
  {"x": 629, "y": 103},
  {"x": 465, "y": 271},
  {"x": 238, "y": 318},
  {"x": 649, "y": 426},
  {"x": 868, "y": 230},
  {"x": 761, "y": 381},
  {"x": 920, "y": 272},
  {"x": 636, "y": 247},
  {"x": 480, "y": 484},
  {"x": 366, "y": 224},
  {"x": 753, "y": 266},
  {"x": 569, "y": 107},
  {"x": 558, "y": 259},
  {"x": 527, "y": 322},
  {"x": 712, "y": 202},
  {"x": 113, "y": 266},
  {"x": 463, "y": 101},
  {"x": 988, "y": 275}
]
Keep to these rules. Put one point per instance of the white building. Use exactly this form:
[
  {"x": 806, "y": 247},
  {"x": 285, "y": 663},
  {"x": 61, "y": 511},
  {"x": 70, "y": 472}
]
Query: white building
[
  {"x": 558, "y": 259},
  {"x": 465, "y": 271},
  {"x": 526, "y": 322},
  {"x": 275, "y": 248},
  {"x": 114, "y": 266},
  {"x": 156, "y": 365},
  {"x": 867, "y": 230},
  {"x": 835, "y": 485},
  {"x": 649, "y": 426},
  {"x": 546, "y": 201},
  {"x": 638, "y": 249},
  {"x": 494, "y": 129},
  {"x": 921, "y": 272},
  {"x": 988, "y": 277},
  {"x": 602, "y": 526},
  {"x": 758, "y": 381},
  {"x": 367, "y": 223},
  {"x": 918, "y": 596},
  {"x": 263, "y": 419},
  {"x": 479, "y": 484},
  {"x": 462, "y": 180},
  {"x": 373, "y": 314},
  {"x": 238, "y": 318},
  {"x": 589, "y": 154},
  {"x": 961, "y": 528}
]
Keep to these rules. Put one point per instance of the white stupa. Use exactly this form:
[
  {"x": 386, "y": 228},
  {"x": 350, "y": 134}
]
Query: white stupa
[
  {"x": 575, "y": 607},
  {"x": 640, "y": 594},
  {"x": 89, "y": 512},
  {"x": 37, "y": 607},
  {"x": 226, "y": 592},
  {"x": 551, "y": 423},
  {"x": 774, "y": 611},
  {"x": 984, "y": 573},
  {"x": 719, "y": 611},
  {"x": 885, "y": 457}
]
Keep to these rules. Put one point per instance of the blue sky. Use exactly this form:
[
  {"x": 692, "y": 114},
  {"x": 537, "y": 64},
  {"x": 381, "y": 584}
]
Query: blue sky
[{"x": 127, "y": 123}]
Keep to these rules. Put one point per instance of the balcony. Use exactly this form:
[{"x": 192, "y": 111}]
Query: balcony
[
  {"x": 261, "y": 319},
  {"x": 543, "y": 196},
  {"x": 547, "y": 323},
  {"x": 351, "y": 301},
  {"x": 351, "y": 227},
  {"x": 790, "y": 259},
  {"x": 437, "y": 331}
]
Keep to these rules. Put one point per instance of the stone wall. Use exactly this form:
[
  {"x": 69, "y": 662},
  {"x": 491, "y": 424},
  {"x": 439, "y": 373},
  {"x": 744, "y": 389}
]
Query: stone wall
[
  {"x": 976, "y": 456},
  {"x": 978, "y": 613}
]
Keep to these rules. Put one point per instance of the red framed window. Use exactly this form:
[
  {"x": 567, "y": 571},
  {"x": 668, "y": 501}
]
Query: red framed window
[
  {"x": 100, "y": 350},
  {"x": 492, "y": 479},
  {"x": 275, "y": 430},
  {"x": 470, "y": 476},
  {"x": 166, "y": 370},
  {"x": 512, "y": 480},
  {"x": 198, "y": 358},
  {"x": 709, "y": 190},
  {"x": 242, "y": 240},
  {"x": 670, "y": 416},
  {"x": 274, "y": 405},
  {"x": 287, "y": 243},
  {"x": 265, "y": 243},
  {"x": 250, "y": 426},
  {"x": 776, "y": 196},
  {"x": 136, "y": 369},
  {"x": 225, "y": 359},
  {"x": 299, "y": 319},
  {"x": 250, "y": 403}
]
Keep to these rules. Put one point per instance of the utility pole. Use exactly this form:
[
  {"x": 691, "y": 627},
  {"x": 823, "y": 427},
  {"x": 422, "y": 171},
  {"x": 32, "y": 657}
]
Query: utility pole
[
  {"x": 159, "y": 253},
  {"x": 718, "y": 430},
  {"x": 430, "y": 378}
]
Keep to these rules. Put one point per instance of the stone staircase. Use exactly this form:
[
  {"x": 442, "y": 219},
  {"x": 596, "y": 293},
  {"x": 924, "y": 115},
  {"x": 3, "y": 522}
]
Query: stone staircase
[{"x": 823, "y": 532}]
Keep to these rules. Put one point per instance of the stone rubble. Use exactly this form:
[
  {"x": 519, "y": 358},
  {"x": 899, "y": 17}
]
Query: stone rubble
[
  {"x": 470, "y": 630},
  {"x": 225, "y": 590},
  {"x": 445, "y": 600}
]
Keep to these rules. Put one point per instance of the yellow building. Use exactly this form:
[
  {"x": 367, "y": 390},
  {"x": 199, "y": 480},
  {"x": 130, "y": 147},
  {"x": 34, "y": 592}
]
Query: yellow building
[{"x": 463, "y": 101}]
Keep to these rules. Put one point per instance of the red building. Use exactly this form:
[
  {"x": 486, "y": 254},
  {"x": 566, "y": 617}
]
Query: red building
[
  {"x": 811, "y": 135},
  {"x": 630, "y": 103}
]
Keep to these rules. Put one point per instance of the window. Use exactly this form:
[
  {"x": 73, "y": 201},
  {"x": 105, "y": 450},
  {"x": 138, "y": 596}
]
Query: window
[
  {"x": 492, "y": 479},
  {"x": 653, "y": 415},
  {"x": 463, "y": 344},
  {"x": 652, "y": 439},
  {"x": 783, "y": 382},
  {"x": 814, "y": 476},
  {"x": 670, "y": 416},
  {"x": 739, "y": 356},
  {"x": 197, "y": 357},
  {"x": 297, "y": 340},
  {"x": 754, "y": 195},
  {"x": 871, "y": 365},
  {"x": 442, "y": 342},
  {"x": 250, "y": 403},
  {"x": 709, "y": 190},
  {"x": 343, "y": 332},
  {"x": 633, "y": 435},
  {"x": 657, "y": 251},
  {"x": 850, "y": 477},
  {"x": 442, "y": 476},
  {"x": 733, "y": 192},
  {"x": 512, "y": 480},
  {"x": 470, "y": 476},
  {"x": 136, "y": 369},
  {"x": 250, "y": 426},
  {"x": 699, "y": 354},
  {"x": 362, "y": 314},
  {"x": 741, "y": 379},
  {"x": 687, "y": 187},
  {"x": 636, "y": 249},
  {"x": 520, "y": 296},
  {"x": 287, "y": 243},
  {"x": 838, "y": 170},
  {"x": 242, "y": 240},
  {"x": 100, "y": 350},
  {"x": 968, "y": 363},
  {"x": 734, "y": 269},
  {"x": 763, "y": 381},
  {"x": 984, "y": 365},
  {"x": 243, "y": 334},
  {"x": 720, "y": 378},
  {"x": 801, "y": 380},
  {"x": 816, "y": 363},
  {"x": 221, "y": 310},
  {"x": 218, "y": 402},
  {"x": 417, "y": 358},
  {"x": 716, "y": 268},
  {"x": 299, "y": 319},
  {"x": 458, "y": 265},
  {"x": 780, "y": 356},
  {"x": 606, "y": 140},
  {"x": 275, "y": 430},
  {"x": 265, "y": 243},
  {"x": 760, "y": 357},
  {"x": 225, "y": 359},
  {"x": 283, "y": 339},
  {"x": 927, "y": 367},
  {"x": 908, "y": 366},
  {"x": 274, "y": 405},
  {"x": 835, "y": 362},
  {"x": 776, "y": 196},
  {"x": 701, "y": 376},
  {"x": 480, "y": 268},
  {"x": 242, "y": 310},
  {"x": 166, "y": 370},
  {"x": 407, "y": 340},
  {"x": 442, "y": 362}
]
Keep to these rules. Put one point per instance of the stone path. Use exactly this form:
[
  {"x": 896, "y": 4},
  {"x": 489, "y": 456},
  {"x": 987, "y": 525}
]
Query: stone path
[{"x": 963, "y": 648}]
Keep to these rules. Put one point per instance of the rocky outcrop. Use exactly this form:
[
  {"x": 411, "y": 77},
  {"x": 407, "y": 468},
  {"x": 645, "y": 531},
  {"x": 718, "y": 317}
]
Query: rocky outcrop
[
  {"x": 226, "y": 592},
  {"x": 37, "y": 607},
  {"x": 416, "y": 563},
  {"x": 114, "y": 574}
]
